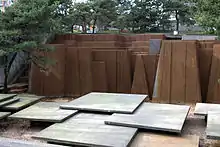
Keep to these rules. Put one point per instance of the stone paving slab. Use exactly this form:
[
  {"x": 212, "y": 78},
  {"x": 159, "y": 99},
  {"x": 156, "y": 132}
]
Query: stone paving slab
[
  {"x": 213, "y": 125},
  {"x": 4, "y": 114},
  {"x": 147, "y": 139},
  {"x": 161, "y": 117},
  {"x": 45, "y": 112},
  {"x": 6, "y": 142},
  {"x": 204, "y": 108},
  {"x": 106, "y": 102},
  {"x": 4, "y": 97},
  {"x": 8, "y": 102},
  {"x": 24, "y": 101},
  {"x": 86, "y": 129}
]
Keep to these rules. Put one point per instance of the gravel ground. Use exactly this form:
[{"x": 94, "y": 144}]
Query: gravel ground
[{"x": 23, "y": 130}]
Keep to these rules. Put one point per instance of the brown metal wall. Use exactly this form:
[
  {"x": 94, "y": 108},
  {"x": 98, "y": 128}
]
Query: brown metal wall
[{"x": 82, "y": 59}]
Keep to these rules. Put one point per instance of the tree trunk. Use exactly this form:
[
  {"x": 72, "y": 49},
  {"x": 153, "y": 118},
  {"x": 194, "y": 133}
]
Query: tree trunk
[
  {"x": 7, "y": 68},
  {"x": 84, "y": 28},
  {"x": 93, "y": 27},
  {"x": 6, "y": 77},
  {"x": 133, "y": 23},
  {"x": 72, "y": 28},
  {"x": 177, "y": 20}
]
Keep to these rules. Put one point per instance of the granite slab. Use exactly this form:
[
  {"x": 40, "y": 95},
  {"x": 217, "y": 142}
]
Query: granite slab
[
  {"x": 213, "y": 125},
  {"x": 24, "y": 102},
  {"x": 106, "y": 102},
  {"x": 4, "y": 114},
  {"x": 6, "y": 142},
  {"x": 204, "y": 108},
  {"x": 9, "y": 101},
  {"x": 45, "y": 112},
  {"x": 161, "y": 117},
  {"x": 86, "y": 129},
  {"x": 4, "y": 97}
]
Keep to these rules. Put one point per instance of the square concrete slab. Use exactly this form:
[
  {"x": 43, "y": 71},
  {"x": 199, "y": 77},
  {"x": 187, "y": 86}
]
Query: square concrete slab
[
  {"x": 45, "y": 112},
  {"x": 204, "y": 108},
  {"x": 24, "y": 102},
  {"x": 86, "y": 129},
  {"x": 106, "y": 102},
  {"x": 213, "y": 125},
  {"x": 9, "y": 101},
  {"x": 144, "y": 139},
  {"x": 6, "y": 142},
  {"x": 4, "y": 114},
  {"x": 4, "y": 97},
  {"x": 161, "y": 117}
]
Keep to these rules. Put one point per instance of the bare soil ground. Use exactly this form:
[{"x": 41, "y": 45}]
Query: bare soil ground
[{"x": 23, "y": 130}]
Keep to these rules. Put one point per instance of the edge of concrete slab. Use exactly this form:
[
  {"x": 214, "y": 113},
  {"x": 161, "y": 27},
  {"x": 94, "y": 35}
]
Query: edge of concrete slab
[
  {"x": 108, "y": 122},
  {"x": 67, "y": 107},
  {"x": 5, "y": 108},
  {"x": 8, "y": 102},
  {"x": 59, "y": 141},
  {"x": 9, "y": 97},
  {"x": 5, "y": 114},
  {"x": 44, "y": 120}
]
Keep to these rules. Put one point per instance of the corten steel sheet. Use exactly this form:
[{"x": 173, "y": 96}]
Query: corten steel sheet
[
  {"x": 178, "y": 72},
  {"x": 23, "y": 102},
  {"x": 107, "y": 37},
  {"x": 213, "y": 95},
  {"x": 213, "y": 125},
  {"x": 99, "y": 44},
  {"x": 70, "y": 43},
  {"x": 6, "y": 142},
  {"x": 164, "y": 73},
  {"x": 157, "y": 36},
  {"x": 61, "y": 38},
  {"x": 107, "y": 48},
  {"x": 136, "y": 44},
  {"x": 146, "y": 37},
  {"x": 106, "y": 102},
  {"x": 85, "y": 70},
  {"x": 205, "y": 44},
  {"x": 139, "y": 49},
  {"x": 36, "y": 83},
  {"x": 35, "y": 80},
  {"x": 159, "y": 71},
  {"x": 88, "y": 130},
  {"x": 204, "y": 108},
  {"x": 4, "y": 114},
  {"x": 44, "y": 112},
  {"x": 150, "y": 63},
  {"x": 193, "y": 93},
  {"x": 144, "y": 139},
  {"x": 4, "y": 97},
  {"x": 205, "y": 62},
  {"x": 109, "y": 57},
  {"x": 72, "y": 80},
  {"x": 177, "y": 79},
  {"x": 162, "y": 117},
  {"x": 97, "y": 37},
  {"x": 133, "y": 60},
  {"x": 133, "y": 63},
  {"x": 123, "y": 72},
  {"x": 55, "y": 80},
  {"x": 99, "y": 76},
  {"x": 9, "y": 101},
  {"x": 139, "y": 85}
]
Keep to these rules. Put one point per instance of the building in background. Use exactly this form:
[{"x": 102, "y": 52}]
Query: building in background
[{"x": 5, "y": 3}]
